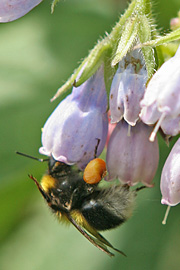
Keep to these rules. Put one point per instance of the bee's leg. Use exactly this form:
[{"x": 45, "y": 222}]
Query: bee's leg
[
  {"x": 126, "y": 186},
  {"x": 139, "y": 188},
  {"x": 96, "y": 148}
]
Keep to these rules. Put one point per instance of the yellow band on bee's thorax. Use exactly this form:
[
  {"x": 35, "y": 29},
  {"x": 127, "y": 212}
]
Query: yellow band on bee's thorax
[{"x": 48, "y": 182}]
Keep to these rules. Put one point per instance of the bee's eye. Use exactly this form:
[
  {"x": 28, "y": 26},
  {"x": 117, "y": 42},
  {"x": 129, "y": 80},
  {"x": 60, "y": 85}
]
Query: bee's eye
[{"x": 94, "y": 171}]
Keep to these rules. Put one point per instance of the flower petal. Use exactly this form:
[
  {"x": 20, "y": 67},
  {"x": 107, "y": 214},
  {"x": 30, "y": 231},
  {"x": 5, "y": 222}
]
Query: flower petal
[
  {"x": 11, "y": 10},
  {"x": 170, "y": 177},
  {"x": 161, "y": 102},
  {"x": 71, "y": 132},
  {"x": 128, "y": 88},
  {"x": 132, "y": 158}
]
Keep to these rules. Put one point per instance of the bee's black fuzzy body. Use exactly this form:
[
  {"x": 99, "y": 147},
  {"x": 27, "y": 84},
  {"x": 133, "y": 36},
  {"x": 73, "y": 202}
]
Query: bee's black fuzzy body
[{"x": 88, "y": 207}]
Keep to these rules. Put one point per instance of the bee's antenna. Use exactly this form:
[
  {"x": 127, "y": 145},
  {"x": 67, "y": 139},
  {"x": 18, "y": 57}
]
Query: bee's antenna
[
  {"x": 35, "y": 158},
  {"x": 46, "y": 197}
]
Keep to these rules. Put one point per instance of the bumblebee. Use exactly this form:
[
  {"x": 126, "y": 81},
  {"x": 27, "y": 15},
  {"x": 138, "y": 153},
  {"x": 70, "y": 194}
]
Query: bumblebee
[{"x": 88, "y": 207}]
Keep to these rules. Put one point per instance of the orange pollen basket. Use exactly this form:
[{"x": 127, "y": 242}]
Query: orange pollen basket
[{"x": 94, "y": 171}]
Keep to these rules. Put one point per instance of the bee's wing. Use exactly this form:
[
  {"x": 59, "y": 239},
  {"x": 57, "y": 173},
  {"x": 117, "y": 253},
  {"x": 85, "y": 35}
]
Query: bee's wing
[
  {"x": 95, "y": 241},
  {"x": 103, "y": 240}
]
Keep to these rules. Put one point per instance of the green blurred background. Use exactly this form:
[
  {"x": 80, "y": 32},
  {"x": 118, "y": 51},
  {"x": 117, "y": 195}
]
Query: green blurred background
[{"x": 37, "y": 54}]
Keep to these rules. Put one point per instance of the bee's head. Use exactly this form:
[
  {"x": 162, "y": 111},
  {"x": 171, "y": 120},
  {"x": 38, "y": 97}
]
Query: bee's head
[
  {"x": 51, "y": 187},
  {"x": 56, "y": 167},
  {"x": 56, "y": 199}
]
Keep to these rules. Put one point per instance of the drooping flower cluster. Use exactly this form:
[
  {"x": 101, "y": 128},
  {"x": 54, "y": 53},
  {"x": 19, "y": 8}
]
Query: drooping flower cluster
[
  {"x": 134, "y": 158},
  {"x": 71, "y": 132},
  {"x": 140, "y": 103},
  {"x": 130, "y": 155}
]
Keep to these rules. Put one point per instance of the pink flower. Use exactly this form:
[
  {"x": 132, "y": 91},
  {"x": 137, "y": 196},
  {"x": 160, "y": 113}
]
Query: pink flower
[{"x": 132, "y": 159}]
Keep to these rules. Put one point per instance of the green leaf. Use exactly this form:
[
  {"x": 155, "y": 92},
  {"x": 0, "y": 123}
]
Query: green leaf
[
  {"x": 116, "y": 31},
  {"x": 91, "y": 63},
  {"x": 172, "y": 36},
  {"x": 143, "y": 7},
  {"x": 54, "y": 2},
  {"x": 127, "y": 39},
  {"x": 144, "y": 34},
  {"x": 137, "y": 24},
  {"x": 69, "y": 83},
  {"x": 94, "y": 60}
]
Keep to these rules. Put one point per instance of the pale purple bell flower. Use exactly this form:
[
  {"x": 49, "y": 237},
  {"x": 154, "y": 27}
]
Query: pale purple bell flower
[
  {"x": 72, "y": 131},
  {"x": 132, "y": 159},
  {"x": 161, "y": 102},
  {"x": 170, "y": 179},
  {"x": 128, "y": 87},
  {"x": 11, "y": 10}
]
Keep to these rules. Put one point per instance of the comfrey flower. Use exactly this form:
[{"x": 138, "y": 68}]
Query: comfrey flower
[
  {"x": 71, "y": 132},
  {"x": 11, "y": 10},
  {"x": 128, "y": 87},
  {"x": 132, "y": 158},
  {"x": 161, "y": 102},
  {"x": 111, "y": 127},
  {"x": 170, "y": 179}
]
